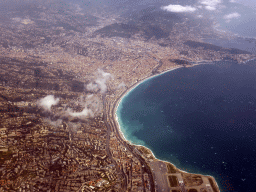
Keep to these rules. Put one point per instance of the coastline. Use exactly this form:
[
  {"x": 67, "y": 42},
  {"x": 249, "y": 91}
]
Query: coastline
[{"x": 126, "y": 92}]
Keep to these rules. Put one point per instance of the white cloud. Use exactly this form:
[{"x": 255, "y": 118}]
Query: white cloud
[
  {"x": 210, "y": 4},
  {"x": 91, "y": 106},
  {"x": 230, "y": 16},
  {"x": 92, "y": 87},
  {"x": 73, "y": 126},
  {"x": 56, "y": 123},
  {"x": 232, "y": 1},
  {"x": 179, "y": 8},
  {"x": 23, "y": 21},
  {"x": 100, "y": 82},
  {"x": 248, "y": 3},
  {"x": 121, "y": 85},
  {"x": 94, "y": 103},
  {"x": 210, "y": 8},
  {"x": 85, "y": 113},
  {"x": 48, "y": 101}
]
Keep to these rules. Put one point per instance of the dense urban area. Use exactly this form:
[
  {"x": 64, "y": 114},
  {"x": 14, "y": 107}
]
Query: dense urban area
[{"x": 63, "y": 72}]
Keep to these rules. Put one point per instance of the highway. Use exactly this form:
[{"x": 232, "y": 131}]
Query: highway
[
  {"x": 112, "y": 126},
  {"x": 124, "y": 184}
]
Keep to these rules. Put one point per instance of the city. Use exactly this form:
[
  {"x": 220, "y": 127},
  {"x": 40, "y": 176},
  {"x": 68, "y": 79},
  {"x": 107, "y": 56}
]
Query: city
[{"x": 73, "y": 142}]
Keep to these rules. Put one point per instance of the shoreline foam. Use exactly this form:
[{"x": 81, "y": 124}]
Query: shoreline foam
[{"x": 126, "y": 92}]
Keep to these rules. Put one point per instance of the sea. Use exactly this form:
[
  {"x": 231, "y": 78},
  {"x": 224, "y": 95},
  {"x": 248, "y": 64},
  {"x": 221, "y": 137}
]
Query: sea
[{"x": 201, "y": 118}]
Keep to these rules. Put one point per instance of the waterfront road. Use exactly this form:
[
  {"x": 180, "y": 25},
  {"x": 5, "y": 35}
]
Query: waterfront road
[
  {"x": 111, "y": 124},
  {"x": 124, "y": 183}
]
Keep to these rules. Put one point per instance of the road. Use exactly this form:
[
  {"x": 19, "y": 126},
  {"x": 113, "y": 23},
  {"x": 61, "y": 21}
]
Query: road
[
  {"x": 124, "y": 184},
  {"x": 112, "y": 126}
]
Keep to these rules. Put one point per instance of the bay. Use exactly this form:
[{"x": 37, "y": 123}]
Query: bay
[{"x": 202, "y": 119}]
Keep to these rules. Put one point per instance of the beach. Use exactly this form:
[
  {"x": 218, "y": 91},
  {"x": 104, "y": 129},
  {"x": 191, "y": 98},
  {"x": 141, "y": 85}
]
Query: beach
[
  {"x": 122, "y": 135},
  {"x": 125, "y": 93}
]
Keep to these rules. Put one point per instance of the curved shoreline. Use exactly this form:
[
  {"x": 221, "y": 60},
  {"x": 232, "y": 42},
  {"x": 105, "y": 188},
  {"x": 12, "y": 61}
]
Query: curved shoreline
[{"x": 126, "y": 92}]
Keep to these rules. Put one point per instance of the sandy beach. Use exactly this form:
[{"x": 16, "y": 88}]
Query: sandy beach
[
  {"x": 127, "y": 92},
  {"x": 116, "y": 120}
]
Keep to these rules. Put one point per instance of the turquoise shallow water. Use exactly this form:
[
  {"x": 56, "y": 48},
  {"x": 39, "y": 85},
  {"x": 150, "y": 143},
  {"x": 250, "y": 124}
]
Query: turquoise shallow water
[{"x": 201, "y": 119}]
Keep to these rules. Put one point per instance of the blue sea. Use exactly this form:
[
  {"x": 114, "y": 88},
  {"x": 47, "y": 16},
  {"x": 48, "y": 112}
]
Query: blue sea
[{"x": 202, "y": 119}]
